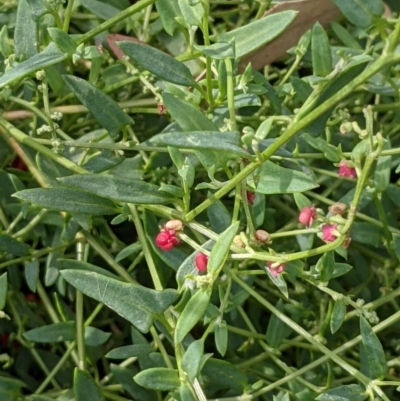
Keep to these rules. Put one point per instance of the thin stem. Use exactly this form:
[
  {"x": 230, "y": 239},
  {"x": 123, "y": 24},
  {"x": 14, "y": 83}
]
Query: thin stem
[
  {"x": 230, "y": 96},
  {"x": 135, "y": 8},
  {"x": 206, "y": 36},
  {"x": 67, "y": 15}
]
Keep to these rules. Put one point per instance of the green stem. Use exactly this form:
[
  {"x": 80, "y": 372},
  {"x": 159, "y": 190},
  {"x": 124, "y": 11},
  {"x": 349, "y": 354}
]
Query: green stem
[
  {"x": 206, "y": 35},
  {"x": 80, "y": 324},
  {"x": 394, "y": 37},
  {"x": 18, "y": 135},
  {"x": 67, "y": 15},
  {"x": 135, "y": 8},
  {"x": 230, "y": 97},
  {"x": 301, "y": 121}
]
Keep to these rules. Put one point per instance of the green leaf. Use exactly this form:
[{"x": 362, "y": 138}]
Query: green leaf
[
  {"x": 224, "y": 374},
  {"x": 38, "y": 9},
  {"x": 120, "y": 189},
  {"x": 85, "y": 388},
  {"x": 56, "y": 332},
  {"x": 276, "y": 329},
  {"x": 341, "y": 269},
  {"x": 130, "y": 250},
  {"x": 124, "y": 377},
  {"x": 49, "y": 56},
  {"x": 103, "y": 107},
  {"x": 72, "y": 264},
  {"x": 25, "y": 34},
  {"x": 366, "y": 233},
  {"x": 137, "y": 304},
  {"x": 192, "y": 358},
  {"x": 219, "y": 216},
  {"x": 158, "y": 63},
  {"x": 95, "y": 337},
  {"x": 382, "y": 170},
  {"x": 373, "y": 350},
  {"x": 330, "y": 152},
  {"x": 360, "y": 12},
  {"x": 162, "y": 379},
  {"x": 279, "y": 281},
  {"x": 350, "y": 392},
  {"x": 168, "y": 10},
  {"x": 326, "y": 265},
  {"x": 5, "y": 47},
  {"x": 221, "y": 337},
  {"x": 67, "y": 200},
  {"x": 345, "y": 36},
  {"x": 32, "y": 273},
  {"x": 192, "y": 14},
  {"x": 396, "y": 244},
  {"x": 129, "y": 351},
  {"x": 258, "y": 33},
  {"x": 3, "y": 290},
  {"x": 12, "y": 246},
  {"x": 180, "y": 110},
  {"x": 220, "y": 141},
  {"x": 320, "y": 51},
  {"x": 338, "y": 314},
  {"x": 220, "y": 250},
  {"x": 218, "y": 51},
  {"x": 63, "y": 41},
  {"x": 104, "y": 161},
  {"x": 301, "y": 200},
  {"x": 193, "y": 312},
  {"x": 274, "y": 179},
  {"x": 100, "y": 9},
  {"x": 185, "y": 393}
]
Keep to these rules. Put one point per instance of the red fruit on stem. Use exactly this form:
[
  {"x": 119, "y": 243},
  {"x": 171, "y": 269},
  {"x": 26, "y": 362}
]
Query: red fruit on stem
[
  {"x": 307, "y": 215},
  {"x": 276, "y": 270},
  {"x": 327, "y": 232},
  {"x": 201, "y": 262},
  {"x": 346, "y": 171},
  {"x": 250, "y": 197}
]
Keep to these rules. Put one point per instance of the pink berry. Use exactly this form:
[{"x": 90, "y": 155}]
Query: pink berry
[
  {"x": 346, "y": 171},
  {"x": 327, "y": 232},
  {"x": 201, "y": 262},
  {"x": 276, "y": 270},
  {"x": 166, "y": 240},
  {"x": 307, "y": 215},
  {"x": 250, "y": 197}
]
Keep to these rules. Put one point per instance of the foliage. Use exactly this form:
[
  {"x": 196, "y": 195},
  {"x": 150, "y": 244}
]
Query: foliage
[{"x": 175, "y": 224}]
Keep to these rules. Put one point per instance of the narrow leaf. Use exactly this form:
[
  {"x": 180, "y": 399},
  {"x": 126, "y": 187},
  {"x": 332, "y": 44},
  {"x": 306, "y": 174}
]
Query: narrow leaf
[
  {"x": 338, "y": 314},
  {"x": 62, "y": 40},
  {"x": 102, "y": 106},
  {"x": 119, "y": 188},
  {"x": 256, "y": 34},
  {"x": 129, "y": 351},
  {"x": 351, "y": 392},
  {"x": 85, "y": 388},
  {"x": 191, "y": 361},
  {"x": 12, "y": 246},
  {"x": 3, "y": 290},
  {"x": 193, "y": 312},
  {"x": 158, "y": 63},
  {"x": 49, "y": 56},
  {"x": 373, "y": 350},
  {"x": 67, "y": 200},
  {"x": 220, "y": 250},
  {"x": 320, "y": 51},
  {"x": 25, "y": 32},
  {"x": 161, "y": 379}
]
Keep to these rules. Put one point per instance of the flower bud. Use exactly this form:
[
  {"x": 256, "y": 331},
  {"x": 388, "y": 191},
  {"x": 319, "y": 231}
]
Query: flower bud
[
  {"x": 275, "y": 268},
  {"x": 201, "y": 261},
  {"x": 262, "y": 236},
  {"x": 338, "y": 208},
  {"x": 307, "y": 215},
  {"x": 346, "y": 171},
  {"x": 237, "y": 240},
  {"x": 175, "y": 225},
  {"x": 328, "y": 232}
]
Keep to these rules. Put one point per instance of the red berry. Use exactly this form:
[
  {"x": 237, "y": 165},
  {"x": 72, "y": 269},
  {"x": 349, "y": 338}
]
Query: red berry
[
  {"x": 201, "y": 261},
  {"x": 166, "y": 240},
  {"x": 250, "y": 197}
]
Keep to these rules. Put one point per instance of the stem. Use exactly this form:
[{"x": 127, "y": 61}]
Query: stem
[
  {"x": 206, "y": 35},
  {"x": 67, "y": 15},
  {"x": 231, "y": 100},
  {"x": 135, "y": 8},
  {"x": 80, "y": 324}
]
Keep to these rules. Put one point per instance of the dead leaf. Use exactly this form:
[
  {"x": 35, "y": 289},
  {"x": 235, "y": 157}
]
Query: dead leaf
[{"x": 310, "y": 11}]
